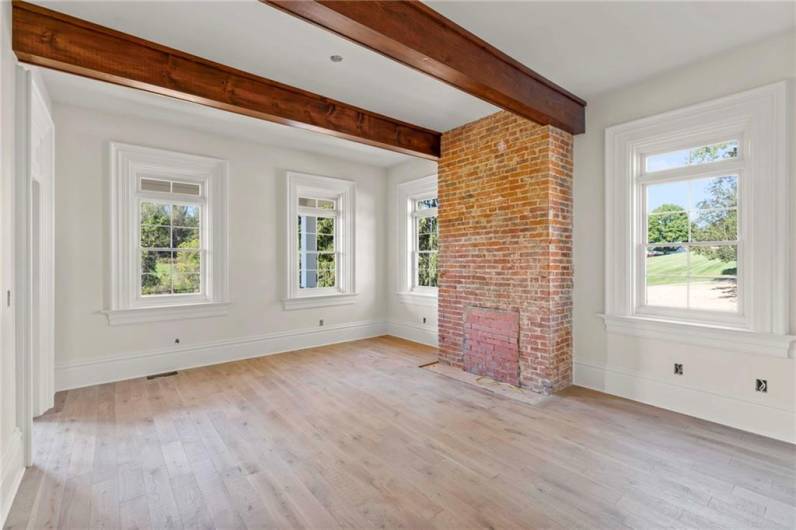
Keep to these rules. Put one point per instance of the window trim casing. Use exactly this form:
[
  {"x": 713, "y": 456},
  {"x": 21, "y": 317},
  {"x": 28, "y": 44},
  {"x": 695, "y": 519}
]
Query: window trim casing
[
  {"x": 127, "y": 164},
  {"x": 408, "y": 192},
  {"x": 757, "y": 118},
  {"x": 343, "y": 191}
]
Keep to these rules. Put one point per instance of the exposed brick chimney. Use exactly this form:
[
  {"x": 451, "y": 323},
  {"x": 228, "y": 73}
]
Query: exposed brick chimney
[{"x": 505, "y": 221}]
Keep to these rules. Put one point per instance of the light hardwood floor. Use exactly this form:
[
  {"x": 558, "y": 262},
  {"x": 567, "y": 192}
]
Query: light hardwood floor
[{"x": 355, "y": 435}]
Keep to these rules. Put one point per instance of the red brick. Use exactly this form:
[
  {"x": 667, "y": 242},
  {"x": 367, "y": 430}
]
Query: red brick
[{"x": 505, "y": 220}]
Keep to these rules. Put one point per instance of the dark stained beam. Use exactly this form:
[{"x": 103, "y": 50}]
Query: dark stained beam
[
  {"x": 417, "y": 36},
  {"x": 53, "y": 40}
]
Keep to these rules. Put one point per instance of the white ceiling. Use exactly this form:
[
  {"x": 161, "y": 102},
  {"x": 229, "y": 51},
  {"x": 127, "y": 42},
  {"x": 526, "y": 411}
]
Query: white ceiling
[
  {"x": 96, "y": 95},
  {"x": 586, "y": 47},
  {"x": 592, "y": 47}
]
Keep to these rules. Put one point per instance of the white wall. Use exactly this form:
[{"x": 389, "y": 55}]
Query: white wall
[
  {"x": 405, "y": 319},
  {"x": 717, "y": 385},
  {"x": 89, "y": 350},
  {"x": 11, "y": 447}
]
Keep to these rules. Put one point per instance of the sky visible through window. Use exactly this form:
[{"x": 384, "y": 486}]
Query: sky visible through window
[
  {"x": 691, "y": 156},
  {"x": 678, "y": 193}
]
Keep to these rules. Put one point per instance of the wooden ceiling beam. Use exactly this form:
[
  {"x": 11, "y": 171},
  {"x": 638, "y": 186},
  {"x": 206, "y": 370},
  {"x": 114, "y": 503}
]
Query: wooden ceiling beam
[
  {"x": 417, "y": 36},
  {"x": 54, "y": 40}
]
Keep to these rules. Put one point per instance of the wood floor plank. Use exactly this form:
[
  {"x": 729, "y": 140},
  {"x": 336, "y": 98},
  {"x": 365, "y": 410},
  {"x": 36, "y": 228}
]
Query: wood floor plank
[{"x": 355, "y": 435}]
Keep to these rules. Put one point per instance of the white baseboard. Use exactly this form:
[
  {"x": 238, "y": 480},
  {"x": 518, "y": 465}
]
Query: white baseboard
[
  {"x": 12, "y": 467},
  {"x": 139, "y": 364},
  {"x": 760, "y": 419},
  {"x": 414, "y": 332}
]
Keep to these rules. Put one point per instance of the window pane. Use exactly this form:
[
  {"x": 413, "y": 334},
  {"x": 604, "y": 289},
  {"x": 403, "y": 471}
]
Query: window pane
[
  {"x": 186, "y": 283},
  {"x": 427, "y": 269},
  {"x": 154, "y": 284},
  {"x": 667, "y": 224},
  {"x": 668, "y": 262},
  {"x": 326, "y": 278},
  {"x": 303, "y": 201},
  {"x": 720, "y": 260},
  {"x": 713, "y": 294},
  {"x": 667, "y": 291},
  {"x": 185, "y": 238},
  {"x": 325, "y": 204},
  {"x": 310, "y": 242},
  {"x": 157, "y": 262},
  {"x": 311, "y": 261},
  {"x": 714, "y": 192},
  {"x": 186, "y": 188},
  {"x": 326, "y": 268},
  {"x": 163, "y": 186},
  {"x": 714, "y": 225},
  {"x": 691, "y": 156},
  {"x": 325, "y": 242},
  {"x": 316, "y": 235},
  {"x": 187, "y": 216},
  {"x": 426, "y": 225},
  {"x": 426, "y": 203},
  {"x": 424, "y": 242},
  {"x": 186, "y": 262},
  {"x": 668, "y": 195},
  {"x": 155, "y": 236},
  {"x": 702, "y": 278},
  {"x": 309, "y": 280},
  {"x": 309, "y": 224},
  {"x": 325, "y": 225},
  {"x": 176, "y": 228},
  {"x": 155, "y": 214}
]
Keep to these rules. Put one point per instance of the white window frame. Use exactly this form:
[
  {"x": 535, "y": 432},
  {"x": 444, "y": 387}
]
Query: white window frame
[
  {"x": 343, "y": 192},
  {"x": 408, "y": 193},
  {"x": 755, "y": 118},
  {"x": 130, "y": 163}
]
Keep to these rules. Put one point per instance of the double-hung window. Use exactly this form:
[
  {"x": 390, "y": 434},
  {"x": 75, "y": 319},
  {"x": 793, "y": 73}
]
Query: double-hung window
[
  {"x": 697, "y": 223},
  {"x": 320, "y": 241},
  {"x": 171, "y": 238},
  {"x": 418, "y": 238},
  {"x": 425, "y": 243},
  {"x": 168, "y": 238},
  {"x": 692, "y": 240},
  {"x": 318, "y": 253}
]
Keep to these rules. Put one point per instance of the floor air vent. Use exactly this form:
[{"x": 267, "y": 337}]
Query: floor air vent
[{"x": 164, "y": 374}]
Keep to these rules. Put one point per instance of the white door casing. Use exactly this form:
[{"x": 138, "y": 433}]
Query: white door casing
[
  {"x": 42, "y": 157},
  {"x": 35, "y": 250}
]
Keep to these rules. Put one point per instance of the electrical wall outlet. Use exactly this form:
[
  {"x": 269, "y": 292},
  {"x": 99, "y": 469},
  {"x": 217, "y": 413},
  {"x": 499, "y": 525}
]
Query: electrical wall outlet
[
  {"x": 678, "y": 369},
  {"x": 761, "y": 385}
]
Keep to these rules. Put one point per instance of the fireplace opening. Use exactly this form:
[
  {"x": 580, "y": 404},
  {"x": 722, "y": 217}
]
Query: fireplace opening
[{"x": 491, "y": 344}]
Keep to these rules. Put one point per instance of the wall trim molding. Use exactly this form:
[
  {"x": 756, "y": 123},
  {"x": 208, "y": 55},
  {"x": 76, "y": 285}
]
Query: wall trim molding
[
  {"x": 12, "y": 468},
  {"x": 130, "y": 365},
  {"x": 758, "y": 418},
  {"x": 727, "y": 339},
  {"x": 415, "y": 332}
]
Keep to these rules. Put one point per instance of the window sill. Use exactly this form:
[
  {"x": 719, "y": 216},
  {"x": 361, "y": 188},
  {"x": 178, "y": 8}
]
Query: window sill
[
  {"x": 308, "y": 302},
  {"x": 725, "y": 338},
  {"x": 138, "y": 315},
  {"x": 421, "y": 299}
]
